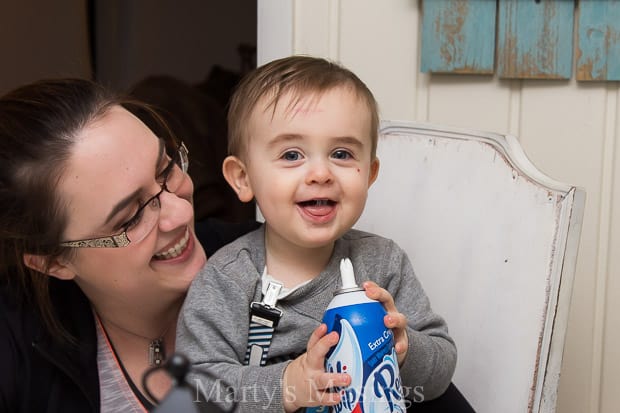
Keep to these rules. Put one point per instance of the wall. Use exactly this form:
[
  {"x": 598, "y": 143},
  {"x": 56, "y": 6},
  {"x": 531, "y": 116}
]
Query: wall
[
  {"x": 568, "y": 129},
  {"x": 135, "y": 38},
  {"x": 182, "y": 39},
  {"x": 42, "y": 39}
]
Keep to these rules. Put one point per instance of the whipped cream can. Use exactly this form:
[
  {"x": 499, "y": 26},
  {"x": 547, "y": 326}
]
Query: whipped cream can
[{"x": 365, "y": 350}]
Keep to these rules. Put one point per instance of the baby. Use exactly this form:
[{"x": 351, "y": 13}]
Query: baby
[{"x": 302, "y": 144}]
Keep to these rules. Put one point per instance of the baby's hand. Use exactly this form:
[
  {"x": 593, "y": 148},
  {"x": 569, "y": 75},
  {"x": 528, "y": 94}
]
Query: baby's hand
[
  {"x": 305, "y": 382},
  {"x": 393, "y": 319}
]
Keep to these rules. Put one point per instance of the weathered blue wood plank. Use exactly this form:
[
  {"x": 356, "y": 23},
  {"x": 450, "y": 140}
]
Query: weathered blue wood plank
[
  {"x": 598, "y": 50},
  {"x": 458, "y": 36},
  {"x": 535, "y": 39}
]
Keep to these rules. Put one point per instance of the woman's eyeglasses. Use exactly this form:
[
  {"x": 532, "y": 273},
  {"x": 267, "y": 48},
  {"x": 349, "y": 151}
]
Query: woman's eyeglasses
[{"x": 147, "y": 216}]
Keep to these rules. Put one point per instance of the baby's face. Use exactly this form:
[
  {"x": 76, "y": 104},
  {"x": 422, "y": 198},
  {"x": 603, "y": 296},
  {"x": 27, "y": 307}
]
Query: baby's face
[{"x": 309, "y": 166}]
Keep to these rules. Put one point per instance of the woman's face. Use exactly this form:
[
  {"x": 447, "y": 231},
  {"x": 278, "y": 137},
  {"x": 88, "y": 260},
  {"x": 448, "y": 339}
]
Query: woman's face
[{"x": 115, "y": 167}]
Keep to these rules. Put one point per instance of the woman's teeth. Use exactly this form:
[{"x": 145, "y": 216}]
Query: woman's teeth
[{"x": 174, "y": 251}]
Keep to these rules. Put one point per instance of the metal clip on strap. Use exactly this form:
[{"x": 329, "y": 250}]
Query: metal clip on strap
[{"x": 264, "y": 318}]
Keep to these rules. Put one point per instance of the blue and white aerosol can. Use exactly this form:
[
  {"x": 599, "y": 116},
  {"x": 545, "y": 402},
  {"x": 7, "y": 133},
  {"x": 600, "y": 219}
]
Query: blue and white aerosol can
[{"x": 365, "y": 350}]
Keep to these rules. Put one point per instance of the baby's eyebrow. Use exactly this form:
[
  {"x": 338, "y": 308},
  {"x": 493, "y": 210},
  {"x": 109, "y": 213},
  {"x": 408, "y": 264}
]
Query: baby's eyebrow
[
  {"x": 285, "y": 137},
  {"x": 348, "y": 140},
  {"x": 337, "y": 140}
]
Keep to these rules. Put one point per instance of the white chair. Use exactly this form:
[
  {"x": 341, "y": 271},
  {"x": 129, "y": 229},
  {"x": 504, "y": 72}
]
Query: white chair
[{"x": 494, "y": 243}]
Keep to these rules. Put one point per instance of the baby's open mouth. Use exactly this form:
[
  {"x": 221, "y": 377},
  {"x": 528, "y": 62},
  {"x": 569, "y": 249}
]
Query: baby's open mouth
[{"x": 317, "y": 203}]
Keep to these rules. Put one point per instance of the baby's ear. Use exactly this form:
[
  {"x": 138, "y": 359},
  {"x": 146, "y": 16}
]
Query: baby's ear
[
  {"x": 374, "y": 171},
  {"x": 235, "y": 174},
  {"x": 56, "y": 268}
]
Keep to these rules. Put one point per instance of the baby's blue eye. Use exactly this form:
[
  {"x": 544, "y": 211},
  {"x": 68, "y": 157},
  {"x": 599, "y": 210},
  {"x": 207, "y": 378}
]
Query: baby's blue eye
[
  {"x": 341, "y": 154},
  {"x": 291, "y": 156}
]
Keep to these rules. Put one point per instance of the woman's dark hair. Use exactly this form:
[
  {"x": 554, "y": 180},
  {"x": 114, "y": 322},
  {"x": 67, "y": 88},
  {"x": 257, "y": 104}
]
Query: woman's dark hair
[{"x": 39, "y": 124}]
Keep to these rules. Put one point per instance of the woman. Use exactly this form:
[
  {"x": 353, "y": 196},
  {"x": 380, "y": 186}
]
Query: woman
[{"x": 98, "y": 248}]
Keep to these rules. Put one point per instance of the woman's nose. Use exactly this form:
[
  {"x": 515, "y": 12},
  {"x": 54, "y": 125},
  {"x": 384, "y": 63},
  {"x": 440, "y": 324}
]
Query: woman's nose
[
  {"x": 319, "y": 172},
  {"x": 175, "y": 211}
]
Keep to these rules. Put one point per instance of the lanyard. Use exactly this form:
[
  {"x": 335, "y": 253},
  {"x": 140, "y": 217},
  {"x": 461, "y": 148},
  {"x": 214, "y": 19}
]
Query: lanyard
[{"x": 264, "y": 318}]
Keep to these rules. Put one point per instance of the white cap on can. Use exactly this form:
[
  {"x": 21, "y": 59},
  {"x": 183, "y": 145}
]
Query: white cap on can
[{"x": 347, "y": 275}]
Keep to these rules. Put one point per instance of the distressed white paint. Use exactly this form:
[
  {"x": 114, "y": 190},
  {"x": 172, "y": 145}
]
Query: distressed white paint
[
  {"x": 569, "y": 130},
  {"x": 486, "y": 233},
  {"x": 274, "y": 30}
]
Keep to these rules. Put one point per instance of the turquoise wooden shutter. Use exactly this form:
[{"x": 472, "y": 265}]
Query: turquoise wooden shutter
[
  {"x": 598, "y": 50},
  {"x": 458, "y": 36},
  {"x": 535, "y": 39}
]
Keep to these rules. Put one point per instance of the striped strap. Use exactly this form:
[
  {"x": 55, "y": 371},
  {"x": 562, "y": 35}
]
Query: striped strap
[
  {"x": 264, "y": 317},
  {"x": 259, "y": 341}
]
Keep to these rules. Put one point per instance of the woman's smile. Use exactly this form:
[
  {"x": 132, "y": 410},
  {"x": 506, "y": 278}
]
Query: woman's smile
[{"x": 177, "y": 249}]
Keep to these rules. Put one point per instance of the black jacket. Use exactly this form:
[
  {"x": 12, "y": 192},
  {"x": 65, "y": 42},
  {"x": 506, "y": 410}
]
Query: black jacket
[{"x": 38, "y": 374}]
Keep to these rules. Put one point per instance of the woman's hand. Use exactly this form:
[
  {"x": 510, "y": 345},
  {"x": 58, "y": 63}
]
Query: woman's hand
[
  {"x": 393, "y": 319},
  {"x": 305, "y": 382}
]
